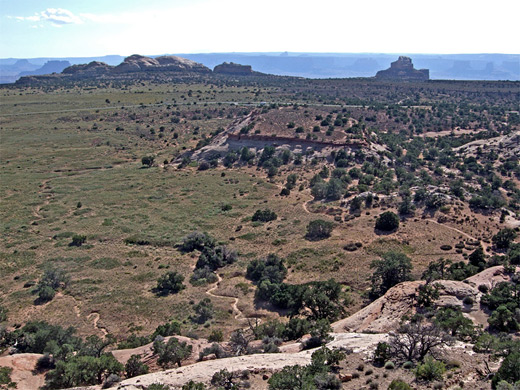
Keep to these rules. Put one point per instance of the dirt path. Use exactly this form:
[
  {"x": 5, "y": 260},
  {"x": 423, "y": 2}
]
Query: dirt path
[
  {"x": 484, "y": 245},
  {"x": 95, "y": 319},
  {"x": 234, "y": 306},
  {"x": 48, "y": 196}
]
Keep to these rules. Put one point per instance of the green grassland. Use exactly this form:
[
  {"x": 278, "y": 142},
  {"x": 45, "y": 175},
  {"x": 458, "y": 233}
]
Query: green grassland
[{"x": 70, "y": 163}]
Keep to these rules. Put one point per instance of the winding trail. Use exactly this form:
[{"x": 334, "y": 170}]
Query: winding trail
[
  {"x": 95, "y": 320},
  {"x": 234, "y": 306}
]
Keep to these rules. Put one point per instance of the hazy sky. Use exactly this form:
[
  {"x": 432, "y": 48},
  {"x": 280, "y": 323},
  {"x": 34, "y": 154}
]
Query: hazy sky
[{"x": 67, "y": 28}]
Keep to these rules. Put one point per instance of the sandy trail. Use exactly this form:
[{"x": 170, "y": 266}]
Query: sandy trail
[
  {"x": 95, "y": 319},
  {"x": 234, "y": 305}
]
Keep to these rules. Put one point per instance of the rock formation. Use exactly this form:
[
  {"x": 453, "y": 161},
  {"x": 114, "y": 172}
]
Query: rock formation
[
  {"x": 48, "y": 68},
  {"x": 232, "y": 68},
  {"x": 403, "y": 69},
  {"x": 174, "y": 63},
  {"x": 138, "y": 63},
  {"x": 91, "y": 69}
]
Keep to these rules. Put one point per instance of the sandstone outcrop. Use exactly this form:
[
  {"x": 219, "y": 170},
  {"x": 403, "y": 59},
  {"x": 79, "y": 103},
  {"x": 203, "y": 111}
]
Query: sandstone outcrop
[
  {"x": 403, "y": 69},
  {"x": 138, "y": 63},
  {"x": 91, "y": 69},
  {"x": 385, "y": 313},
  {"x": 234, "y": 69}
]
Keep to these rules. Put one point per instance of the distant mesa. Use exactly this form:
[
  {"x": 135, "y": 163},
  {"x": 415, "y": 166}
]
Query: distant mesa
[
  {"x": 53, "y": 66},
  {"x": 403, "y": 69},
  {"x": 234, "y": 69}
]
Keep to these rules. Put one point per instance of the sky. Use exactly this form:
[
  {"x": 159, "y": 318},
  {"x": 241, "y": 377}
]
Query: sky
[{"x": 84, "y": 28}]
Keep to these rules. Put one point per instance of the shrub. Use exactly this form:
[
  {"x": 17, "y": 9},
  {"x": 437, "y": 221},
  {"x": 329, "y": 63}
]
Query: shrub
[
  {"x": 319, "y": 230},
  {"x": 382, "y": 353},
  {"x": 44, "y": 363},
  {"x": 504, "y": 238},
  {"x": 170, "y": 283},
  {"x": 393, "y": 268},
  {"x": 147, "y": 160},
  {"x": 224, "y": 379},
  {"x": 285, "y": 192},
  {"x": 216, "y": 336},
  {"x": 398, "y": 384},
  {"x": 196, "y": 241},
  {"x": 387, "y": 221},
  {"x": 430, "y": 369},
  {"x": 194, "y": 386},
  {"x": 408, "y": 365},
  {"x": 172, "y": 352},
  {"x": 264, "y": 215},
  {"x": 271, "y": 268},
  {"x": 5, "y": 378},
  {"x": 202, "y": 276},
  {"x": 203, "y": 166},
  {"x": 216, "y": 257},
  {"x": 158, "y": 386},
  {"x": 167, "y": 329},
  {"x": 203, "y": 311},
  {"x": 46, "y": 294},
  {"x": 389, "y": 365},
  {"x": 78, "y": 240},
  {"x": 82, "y": 370},
  {"x": 134, "y": 367}
]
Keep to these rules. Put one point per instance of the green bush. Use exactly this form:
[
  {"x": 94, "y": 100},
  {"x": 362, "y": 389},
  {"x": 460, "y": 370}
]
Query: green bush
[
  {"x": 319, "y": 230},
  {"x": 393, "y": 268},
  {"x": 82, "y": 370},
  {"x": 170, "y": 283},
  {"x": 78, "y": 240},
  {"x": 430, "y": 369},
  {"x": 387, "y": 221},
  {"x": 5, "y": 378},
  {"x": 196, "y": 241},
  {"x": 216, "y": 336},
  {"x": 264, "y": 215},
  {"x": 509, "y": 370},
  {"x": 147, "y": 160},
  {"x": 134, "y": 367},
  {"x": 172, "y": 352},
  {"x": 271, "y": 268},
  {"x": 504, "y": 238},
  {"x": 194, "y": 386},
  {"x": 398, "y": 384},
  {"x": 46, "y": 294}
]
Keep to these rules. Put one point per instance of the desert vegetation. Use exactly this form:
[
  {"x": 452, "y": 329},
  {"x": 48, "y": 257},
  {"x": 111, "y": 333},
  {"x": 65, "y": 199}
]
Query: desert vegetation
[{"x": 130, "y": 220}]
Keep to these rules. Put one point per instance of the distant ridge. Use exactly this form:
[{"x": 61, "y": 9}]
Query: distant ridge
[{"x": 318, "y": 65}]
